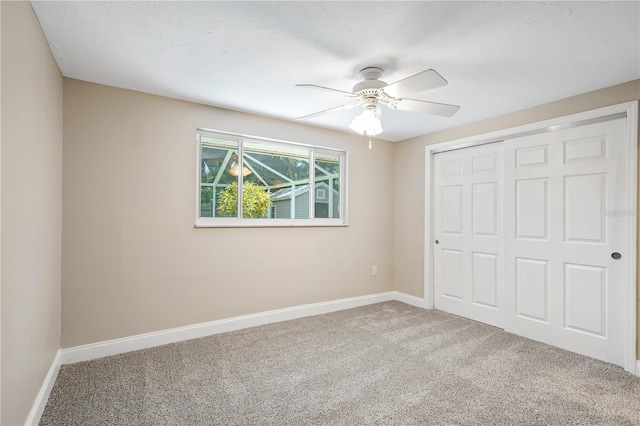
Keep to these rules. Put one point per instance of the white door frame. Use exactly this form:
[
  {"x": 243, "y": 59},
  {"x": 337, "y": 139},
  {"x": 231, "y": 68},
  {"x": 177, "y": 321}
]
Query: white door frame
[{"x": 631, "y": 111}]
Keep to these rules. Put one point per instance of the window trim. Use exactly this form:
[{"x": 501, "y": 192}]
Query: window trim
[{"x": 237, "y": 222}]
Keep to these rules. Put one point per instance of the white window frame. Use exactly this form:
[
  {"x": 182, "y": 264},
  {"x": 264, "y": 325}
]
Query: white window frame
[{"x": 238, "y": 222}]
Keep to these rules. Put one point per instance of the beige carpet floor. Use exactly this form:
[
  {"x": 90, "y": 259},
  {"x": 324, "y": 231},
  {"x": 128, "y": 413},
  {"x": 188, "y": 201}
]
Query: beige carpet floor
[{"x": 386, "y": 364}]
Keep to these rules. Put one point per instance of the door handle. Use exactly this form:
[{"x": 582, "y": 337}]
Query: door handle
[{"x": 616, "y": 255}]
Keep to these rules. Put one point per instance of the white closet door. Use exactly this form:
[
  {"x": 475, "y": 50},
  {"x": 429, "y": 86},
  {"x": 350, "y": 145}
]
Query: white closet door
[
  {"x": 562, "y": 286},
  {"x": 468, "y": 227}
]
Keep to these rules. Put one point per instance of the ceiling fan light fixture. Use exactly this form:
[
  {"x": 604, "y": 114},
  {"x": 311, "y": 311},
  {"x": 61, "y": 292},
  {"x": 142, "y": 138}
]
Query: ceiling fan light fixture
[{"x": 369, "y": 122}]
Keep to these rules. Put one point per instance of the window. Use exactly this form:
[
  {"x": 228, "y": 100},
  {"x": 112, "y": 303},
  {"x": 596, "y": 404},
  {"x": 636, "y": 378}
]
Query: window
[{"x": 283, "y": 183}]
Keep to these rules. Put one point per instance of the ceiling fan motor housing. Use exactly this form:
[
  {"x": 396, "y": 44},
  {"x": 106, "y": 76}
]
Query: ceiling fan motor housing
[
  {"x": 369, "y": 89},
  {"x": 370, "y": 84}
]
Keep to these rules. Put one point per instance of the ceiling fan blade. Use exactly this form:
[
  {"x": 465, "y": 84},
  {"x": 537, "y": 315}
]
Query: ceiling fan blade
[
  {"x": 328, "y": 89},
  {"x": 420, "y": 82},
  {"x": 427, "y": 107},
  {"x": 330, "y": 110}
]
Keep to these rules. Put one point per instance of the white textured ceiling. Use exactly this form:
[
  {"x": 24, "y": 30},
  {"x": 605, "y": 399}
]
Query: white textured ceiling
[{"x": 498, "y": 57}]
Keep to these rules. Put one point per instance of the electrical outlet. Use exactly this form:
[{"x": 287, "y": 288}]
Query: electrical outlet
[{"x": 374, "y": 270}]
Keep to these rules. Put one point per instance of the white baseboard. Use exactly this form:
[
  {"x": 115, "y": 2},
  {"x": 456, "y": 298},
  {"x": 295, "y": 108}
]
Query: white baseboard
[
  {"x": 638, "y": 368},
  {"x": 45, "y": 390},
  {"x": 148, "y": 340},
  {"x": 408, "y": 299}
]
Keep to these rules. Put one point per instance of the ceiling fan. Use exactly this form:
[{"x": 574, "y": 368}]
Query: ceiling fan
[{"x": 371, "y": 92}]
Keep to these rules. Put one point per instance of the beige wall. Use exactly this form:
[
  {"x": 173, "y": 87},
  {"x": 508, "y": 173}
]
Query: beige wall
[
  {"x": 132, "y": 261},
  {"x": 409, "y": 174},
  {"x": 31, "y": 209}
]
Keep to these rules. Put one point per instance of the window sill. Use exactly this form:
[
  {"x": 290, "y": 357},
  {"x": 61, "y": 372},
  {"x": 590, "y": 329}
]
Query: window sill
[{"x": 268, "y": 223}]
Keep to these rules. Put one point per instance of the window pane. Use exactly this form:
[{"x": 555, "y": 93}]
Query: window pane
[
  {"x": 327, "y": 183},
  {"x": 206, "y": 201},
  {"x": 218, "y": 187},
  {"x": 276, "y": 180}
]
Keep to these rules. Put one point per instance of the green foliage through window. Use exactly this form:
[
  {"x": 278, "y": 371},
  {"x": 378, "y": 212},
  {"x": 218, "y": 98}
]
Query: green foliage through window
[{"x": 255, "y": 201}]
